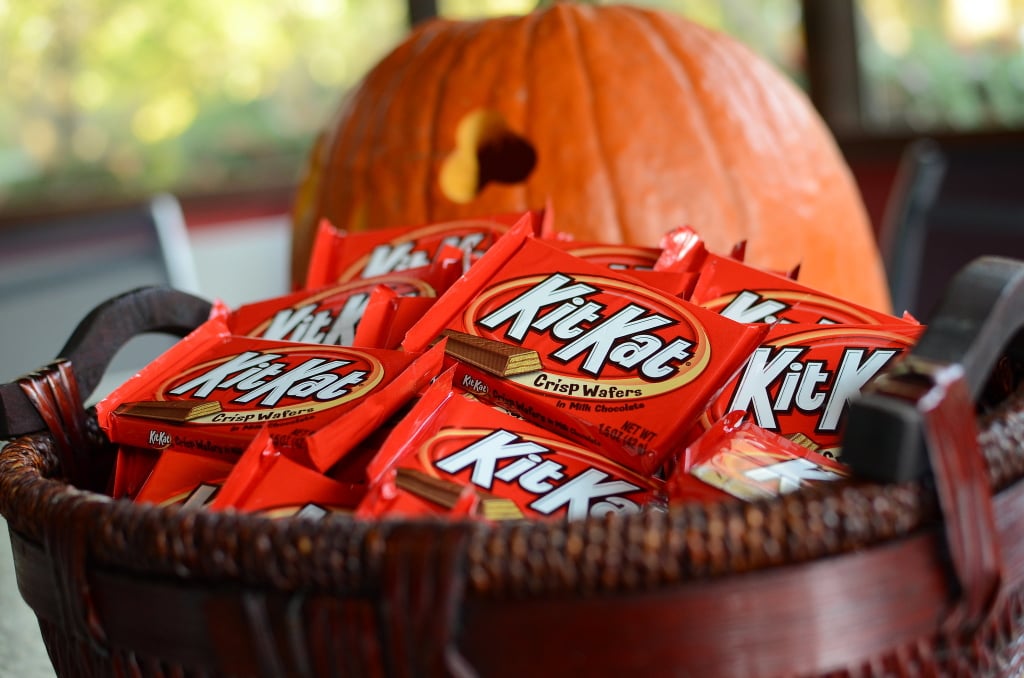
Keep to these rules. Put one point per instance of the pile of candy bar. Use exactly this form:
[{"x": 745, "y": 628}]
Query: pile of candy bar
[{"x": 494, "y": 369}]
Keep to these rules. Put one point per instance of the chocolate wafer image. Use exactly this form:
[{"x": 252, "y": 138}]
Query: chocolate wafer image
[
  {"x": 177, "y": 411},
  {"x": 500, "y": 508},
  {"x": 802, "y": 439},
  {"x": 442, "y": 492},
  {"x": 446, "y": 493},
  {"x": 494, "y": 357}
]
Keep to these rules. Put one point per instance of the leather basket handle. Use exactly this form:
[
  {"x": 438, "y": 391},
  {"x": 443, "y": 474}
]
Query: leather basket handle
[
  {"x": 96, "y": 340},
  {"x": 918, "y": 421}
]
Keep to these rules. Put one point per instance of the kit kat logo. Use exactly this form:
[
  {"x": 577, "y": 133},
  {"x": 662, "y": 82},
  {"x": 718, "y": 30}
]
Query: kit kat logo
[
  {"x": 421, "y": 246},
  {"x": 313, "y": 323},
  {"x": 783, "y": 380},
  {"x": 259, "y": 386},
  {"x": 803, "y": 382},
  {"x": 597, "y": 337},
  {"x": 546, "y": 477},
  {"x": 788, "y": 306},
  {"x": 159, "y": 439},
  {"x": 329, "y": 316}
]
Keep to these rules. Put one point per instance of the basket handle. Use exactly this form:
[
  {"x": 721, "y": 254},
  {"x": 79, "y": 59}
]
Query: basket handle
[
  {"x": 96, "y": 340},
  {"x": 918, "y": 420},
  {"x": 978, "y": 326}
]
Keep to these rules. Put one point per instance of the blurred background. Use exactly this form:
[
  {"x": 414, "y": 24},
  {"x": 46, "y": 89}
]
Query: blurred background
[
  {"x": 106, "y": 103},
  {"x": 195, "y": 120},
  {"x": 218, "y": 102}
]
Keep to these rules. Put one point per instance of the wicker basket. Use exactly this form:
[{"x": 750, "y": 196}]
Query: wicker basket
[{"x": 918, "y": 572}]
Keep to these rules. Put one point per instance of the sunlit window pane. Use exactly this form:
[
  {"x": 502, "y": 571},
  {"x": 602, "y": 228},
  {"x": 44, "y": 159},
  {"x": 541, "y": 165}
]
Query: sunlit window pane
[
  {"x": 943, "y": 65},
  {"x": 477, "y": 9}
]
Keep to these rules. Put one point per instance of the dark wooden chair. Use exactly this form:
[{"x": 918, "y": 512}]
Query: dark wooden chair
[{"x": 952, "y": 201}]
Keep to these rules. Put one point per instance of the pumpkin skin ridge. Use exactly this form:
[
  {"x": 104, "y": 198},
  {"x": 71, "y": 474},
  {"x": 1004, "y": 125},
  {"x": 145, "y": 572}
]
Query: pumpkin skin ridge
[
  {"x": 532, "y": 20},
  {"x": 783, "y": 97},
  {"x": 413, "y": 144},
  {"x": 489, "y": 36},
  {"x": 520, "y": 123},
  {"x": 321, "y": 170},
  {"x": 687, "y": 81},
  {"x": 778, "y": 109},
  {"x": 578, "y": 49},
  {"x": 421, "y": 147},
  {"x": 731, "y": 57},
  {"x": 335, "y": 132},
  {"x": 611, "y": 170},
  {"x": 734, "y": 60},
  {"x": 677, "y": 65},
  {"x": 772, "y": 147},
  {"x": 796, "y": 160},
  {"x": 307, "y": 204},
  {"x": 429, "y": 167},
  {"x": 375, "y": 127}
]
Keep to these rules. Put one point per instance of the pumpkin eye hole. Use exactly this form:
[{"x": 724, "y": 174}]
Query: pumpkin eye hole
[{"x": 486, "y": 151}]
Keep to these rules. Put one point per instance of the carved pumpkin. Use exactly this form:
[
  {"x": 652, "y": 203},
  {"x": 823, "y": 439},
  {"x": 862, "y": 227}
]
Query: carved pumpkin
[{"x": 629, "y": 121}]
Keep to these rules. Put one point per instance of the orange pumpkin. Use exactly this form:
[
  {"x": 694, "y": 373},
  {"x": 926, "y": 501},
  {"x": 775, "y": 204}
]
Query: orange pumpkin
[{"x": 630, "y": 121}]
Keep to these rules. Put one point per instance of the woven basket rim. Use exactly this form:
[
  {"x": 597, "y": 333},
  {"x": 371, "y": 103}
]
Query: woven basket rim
[
  {"x": 682, "y": 544},
  {"x": 114, "y": 531}
]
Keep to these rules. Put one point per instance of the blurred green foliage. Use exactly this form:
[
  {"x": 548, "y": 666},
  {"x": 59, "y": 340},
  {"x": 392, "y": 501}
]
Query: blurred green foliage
[
  {"x": 103, "y": 98},
  {"x": 949, "y": 65}
]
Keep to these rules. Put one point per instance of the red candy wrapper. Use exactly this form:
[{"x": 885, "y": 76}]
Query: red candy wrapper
[
  {"x": 338, "y": 256},
  {"x": 750, "y": 295},
  {"x": 684, "y": 488},
  {"x": 683, "y": 250},
  {"x": 799, "y": 380},
  {"x": 267, "y": 481},
  {"x": 518, "y": 469},
  {"x": 631, "y": 363},
  {"x": 740, "y": 458},
  {"x": 387, "y": 317},
  {"x": 675, "y": 284},
  {"x": 410, "y": 494},
  {"x": 131, "y": 470},
  {"x": 333, "y": 315},
  {"x": 212, "y": 392},
  {"x": 351, "y": 469},
  {"x": 184, "y": 478},
  {"x": 615, "y": 257}
]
